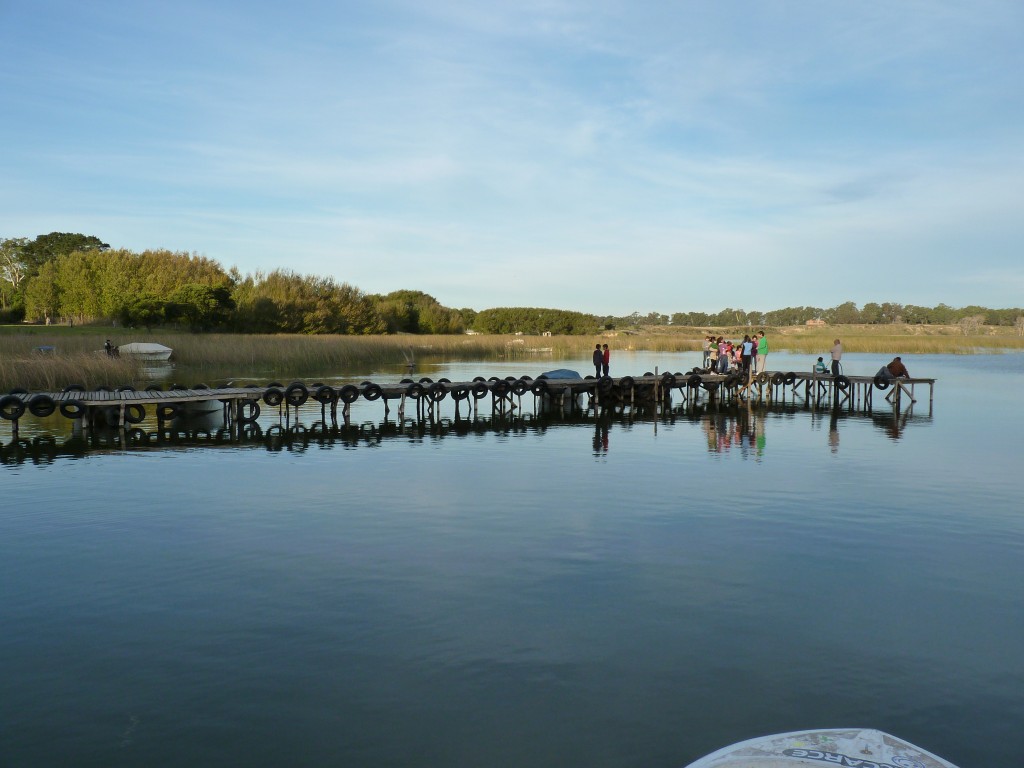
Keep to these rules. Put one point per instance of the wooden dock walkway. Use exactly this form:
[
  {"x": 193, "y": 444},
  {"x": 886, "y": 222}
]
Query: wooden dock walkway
[{"x": 126, "y": 407}]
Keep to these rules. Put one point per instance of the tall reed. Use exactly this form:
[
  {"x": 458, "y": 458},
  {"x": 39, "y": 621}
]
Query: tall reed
[{"x": 77, "y": 358}]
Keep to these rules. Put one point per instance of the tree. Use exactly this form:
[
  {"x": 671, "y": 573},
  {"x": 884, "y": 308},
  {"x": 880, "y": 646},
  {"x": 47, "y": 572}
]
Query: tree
[
  {"x": 1018, "y": 324},
  {"x": 201, "y": 307},
  {"x": 47, "y": 247},
  {"x": 147, "y": 311},
  {"x": 13, "y": 269},
  {"x": 969, "y": 326},
  {"x": 845, "y": 314}
]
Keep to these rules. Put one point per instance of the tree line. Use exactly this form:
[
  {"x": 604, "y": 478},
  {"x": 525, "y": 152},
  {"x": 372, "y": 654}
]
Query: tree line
[{"x": 74, "y": 278}]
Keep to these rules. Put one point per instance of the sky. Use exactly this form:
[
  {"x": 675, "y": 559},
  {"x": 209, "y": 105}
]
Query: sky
[{"x": 597, "y": 155}]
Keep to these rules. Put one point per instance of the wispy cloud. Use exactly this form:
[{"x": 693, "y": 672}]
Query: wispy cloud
[{"x": 606, "y": 156}]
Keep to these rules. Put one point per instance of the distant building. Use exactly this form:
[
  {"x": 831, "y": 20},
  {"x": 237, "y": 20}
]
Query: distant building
[{"x": 816, "y": 321}]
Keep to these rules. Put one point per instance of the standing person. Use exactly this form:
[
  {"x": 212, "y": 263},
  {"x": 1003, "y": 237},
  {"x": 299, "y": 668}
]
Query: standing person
[
  {"x": 723, "y": 355},
  {"x": 707, "y": 351},
  {"x": 606, "y": 358},
  {"x": 747, "y": 353},
  {"x": 837, "y": 354},
  {"x": 598, "y": 360},
  {"x": 712, "y": 354},
  {"x": 762, "y": 352}
]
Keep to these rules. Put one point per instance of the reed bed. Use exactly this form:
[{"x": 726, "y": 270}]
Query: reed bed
[
  {"x": 218, "y": 358},
  {"x": 51, "y": 373}
]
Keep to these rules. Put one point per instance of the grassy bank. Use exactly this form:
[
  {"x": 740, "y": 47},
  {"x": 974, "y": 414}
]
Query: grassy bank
[{"x": 211, "y": 357}]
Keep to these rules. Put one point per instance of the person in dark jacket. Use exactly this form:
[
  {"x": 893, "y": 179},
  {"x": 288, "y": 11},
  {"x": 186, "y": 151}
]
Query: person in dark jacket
[
  {"x": 598, "y": 360},
  {"x": 897, "y": 369}
]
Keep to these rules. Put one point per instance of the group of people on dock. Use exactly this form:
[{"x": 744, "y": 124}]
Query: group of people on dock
[{"x": 749, "y": 356}]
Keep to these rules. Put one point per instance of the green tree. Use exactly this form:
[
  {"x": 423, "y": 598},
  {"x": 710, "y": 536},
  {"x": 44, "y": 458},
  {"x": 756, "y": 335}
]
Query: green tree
[{"x": 200, "y": 307}]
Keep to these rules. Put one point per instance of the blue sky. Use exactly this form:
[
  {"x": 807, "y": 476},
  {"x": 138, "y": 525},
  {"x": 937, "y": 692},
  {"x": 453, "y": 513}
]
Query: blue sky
[{"x": 603, "y": 156}]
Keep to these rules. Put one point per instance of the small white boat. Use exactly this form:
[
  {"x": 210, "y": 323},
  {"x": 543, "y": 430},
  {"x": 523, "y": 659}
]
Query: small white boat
[
  {"x": 850, "y": 748},
  {"x": 145, "y": 350}
]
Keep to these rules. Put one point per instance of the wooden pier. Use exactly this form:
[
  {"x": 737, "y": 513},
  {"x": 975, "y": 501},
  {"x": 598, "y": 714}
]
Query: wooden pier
[{"x": 125, "y": 408}]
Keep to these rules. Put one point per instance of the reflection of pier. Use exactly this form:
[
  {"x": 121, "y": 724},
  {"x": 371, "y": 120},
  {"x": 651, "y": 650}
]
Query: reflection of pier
[
  {"x": 734, "y": 428},
  {"x": 126, "y": 408}
]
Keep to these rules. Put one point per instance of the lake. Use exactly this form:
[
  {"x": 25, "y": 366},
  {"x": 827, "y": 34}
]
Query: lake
[{"x": 578, "y": 592}]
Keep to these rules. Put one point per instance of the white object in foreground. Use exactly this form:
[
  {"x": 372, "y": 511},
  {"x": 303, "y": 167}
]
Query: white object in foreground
[
  {"x": 850, "y": 748},
  {"x": 145, "y": 350}
]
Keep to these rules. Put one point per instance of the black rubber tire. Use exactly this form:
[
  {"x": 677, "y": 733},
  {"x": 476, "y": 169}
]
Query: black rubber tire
[
  {"x": 134, "y": 413},
  {"x": 693, "y": 380},
  {"x": 520, "y": 387},
  {"x": 437, "y": 392},
  {"x": 500, "y": 388},
  {"x": 479, "y": 390},
  {"x": 112, "y": 415},
  {"x": 789, "y": 378},
  {"x": 882, "y": 382},
  {"x": 296, "y": 394},
  {"x": 348, "y": 394},
  {"x": 762, "y": 377},
  {"x": 460, "y": 393},
  {"x": 539, "y": 387},
  {"x": 668, "y": 380},
  {"x": 104, "y": 388},
  {"x": 325, "y": 394},
  {"x": 18, "y": 391},
  {"x": 627, "y": 383},
  {"x": 41, "y": 405},
  {"x": 478, "y": 378},
  {"x": 126, "y": 388},
  {"x": 414, "y": 390},
  {"x": 426, "y": 380},
  {"x": 72, "y": 409},
  {"x": 11, "y": 407},
  {"x": 372, "y": 391},
  {"x": 154, "y": 388},
  {"x": 74, "y": 388},
  {"x": 166, "y": 411},
  {"x": 842, "y": 382},
  {"x": 253, "y": 413},
  {"x": 273, "y": 396},
  {"x": 777, "y": 378},
  {"x": 137, "y": 435},
  {"x": 200, "y": 386}
]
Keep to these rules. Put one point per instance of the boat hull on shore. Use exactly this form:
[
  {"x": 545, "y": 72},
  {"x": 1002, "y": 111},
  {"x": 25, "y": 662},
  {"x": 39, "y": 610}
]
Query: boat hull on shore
[{"x": 145, "y": 351}]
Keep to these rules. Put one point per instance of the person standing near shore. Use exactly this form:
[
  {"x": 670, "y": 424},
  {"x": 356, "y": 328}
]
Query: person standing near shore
[
  {"x": 606, "y": 358},
  {"x": 598, "y": 360},
  {"x": 707, "y": 350},
  {"x": 837, "y": 354},
  {"x": 762, "y": 352}
]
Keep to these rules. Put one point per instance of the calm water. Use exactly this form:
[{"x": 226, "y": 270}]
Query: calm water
[{"x": 576, "y": 594}]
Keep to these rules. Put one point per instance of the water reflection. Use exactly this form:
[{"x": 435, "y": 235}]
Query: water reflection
[{"x": 741, "y": 429}]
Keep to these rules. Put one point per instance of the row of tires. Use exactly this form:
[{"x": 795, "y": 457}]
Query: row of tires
[{"x": 13, "y": 407}]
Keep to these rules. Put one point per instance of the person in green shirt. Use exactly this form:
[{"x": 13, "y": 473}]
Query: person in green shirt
[{"x": 762, "y": 352}]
